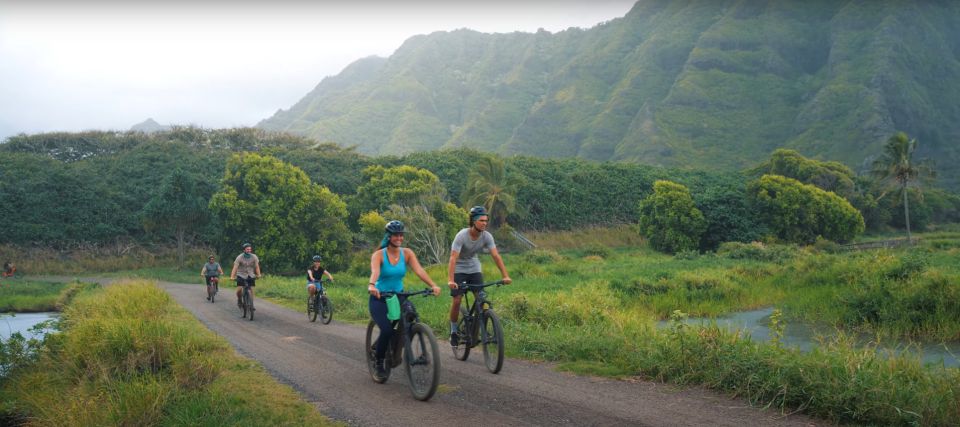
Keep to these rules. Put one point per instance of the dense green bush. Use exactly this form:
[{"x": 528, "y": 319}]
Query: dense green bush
[
  {"x": 669, "y": 218},
  {"x": 798, "y": 212},
  {"x": 274, "y": 205}
]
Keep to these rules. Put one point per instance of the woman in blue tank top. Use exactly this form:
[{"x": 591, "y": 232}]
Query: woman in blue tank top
[{"x": 388, "y": 266}]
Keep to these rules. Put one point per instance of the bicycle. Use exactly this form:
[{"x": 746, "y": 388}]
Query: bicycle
[
  {"x": 480, "y": 325},
  {"x": 321, "y": 305},
  {"x": 414, "y": 343},
  {"x": 11, "y": 272},
  {"x": 212, "y": 288},
  {"x": 246, "y": 300}
]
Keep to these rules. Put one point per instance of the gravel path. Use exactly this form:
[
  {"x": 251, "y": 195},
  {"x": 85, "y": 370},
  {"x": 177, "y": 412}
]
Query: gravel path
[{"x": 325, "y": 363}]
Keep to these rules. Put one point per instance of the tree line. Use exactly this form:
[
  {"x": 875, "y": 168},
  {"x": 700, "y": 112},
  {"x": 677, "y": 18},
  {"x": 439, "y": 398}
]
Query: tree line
[{"x": 294, "y": 197}]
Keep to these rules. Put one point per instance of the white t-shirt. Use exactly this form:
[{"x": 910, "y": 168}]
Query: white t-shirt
[{"x": 468, "y": 261}]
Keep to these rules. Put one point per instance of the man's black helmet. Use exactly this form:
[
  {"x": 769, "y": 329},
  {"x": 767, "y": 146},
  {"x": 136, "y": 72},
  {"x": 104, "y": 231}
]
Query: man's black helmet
[
  {"x": 246, "y": 245},
  {"x": 394, "y": 227},
  {"x": 317, "y": 258},
  {"x": 477, "y": 211}
]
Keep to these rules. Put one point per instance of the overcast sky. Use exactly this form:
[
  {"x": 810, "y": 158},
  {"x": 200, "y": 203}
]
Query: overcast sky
[{"x": 77, "y": 65}]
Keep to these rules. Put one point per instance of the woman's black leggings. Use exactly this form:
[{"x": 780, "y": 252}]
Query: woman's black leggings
[{"x": 378, "y": 311}]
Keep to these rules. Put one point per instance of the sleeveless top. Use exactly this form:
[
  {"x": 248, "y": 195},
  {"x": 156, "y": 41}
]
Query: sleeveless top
[{"x": 391, "y": 276}]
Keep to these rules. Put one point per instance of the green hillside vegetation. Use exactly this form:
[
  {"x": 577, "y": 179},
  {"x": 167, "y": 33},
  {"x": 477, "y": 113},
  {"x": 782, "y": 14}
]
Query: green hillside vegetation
[
  {"x": 118, "y": 192},
  {"x": 708, "y": 84}
]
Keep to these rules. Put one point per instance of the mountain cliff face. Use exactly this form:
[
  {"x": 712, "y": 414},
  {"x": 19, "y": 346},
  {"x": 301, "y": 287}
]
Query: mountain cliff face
[{"x": 700, "y": 83}]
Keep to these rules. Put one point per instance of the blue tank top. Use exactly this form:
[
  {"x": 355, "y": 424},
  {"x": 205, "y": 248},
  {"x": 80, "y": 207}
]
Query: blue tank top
[{"x": 391, "y": 276}]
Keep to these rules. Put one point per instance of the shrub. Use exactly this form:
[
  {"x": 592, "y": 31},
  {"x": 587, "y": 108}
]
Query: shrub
[
  {"x": 669, "y": 218},
  {"x": 597, "y": 249}
]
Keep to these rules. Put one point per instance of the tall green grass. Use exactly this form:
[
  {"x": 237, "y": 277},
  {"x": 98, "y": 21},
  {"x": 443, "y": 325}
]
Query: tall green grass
[
  {"x": 129, "y": 355},
  {"x": 39, "y": 261},
  {"x": 29, "y": 296},
  {"x": 594, "y": 310}
]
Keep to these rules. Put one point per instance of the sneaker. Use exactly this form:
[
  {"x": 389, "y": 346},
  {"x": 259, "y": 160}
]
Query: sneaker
[
  {"x": 454, "y": 339},
  {"x": 381, "y": 370}
]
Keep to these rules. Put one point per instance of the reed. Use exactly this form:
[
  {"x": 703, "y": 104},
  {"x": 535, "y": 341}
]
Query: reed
[{"x": 128, "y": 355}]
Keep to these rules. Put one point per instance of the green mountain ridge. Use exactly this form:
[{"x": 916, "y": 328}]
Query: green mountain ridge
[{"x": 698, "y": 83}]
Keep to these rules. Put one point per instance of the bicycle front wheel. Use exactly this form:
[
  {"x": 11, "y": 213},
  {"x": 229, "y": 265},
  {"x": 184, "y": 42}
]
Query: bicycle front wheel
[
  {"x": 211, "y": 292},
  {"x": 492, "y": 340},
  {"x": 326, "y": 310},
  {"x": 249, "y": 305},
  {"x": 422, "y": 362},
  {"x": 312, "y": 308}
]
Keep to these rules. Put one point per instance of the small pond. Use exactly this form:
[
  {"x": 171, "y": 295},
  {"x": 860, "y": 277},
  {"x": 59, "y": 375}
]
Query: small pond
[
  {"x": 22, "y": 322},
  {"x": 802, "y": 336}
]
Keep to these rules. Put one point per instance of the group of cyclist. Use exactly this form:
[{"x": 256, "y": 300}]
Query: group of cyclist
[{"x": 388, "y": 267}]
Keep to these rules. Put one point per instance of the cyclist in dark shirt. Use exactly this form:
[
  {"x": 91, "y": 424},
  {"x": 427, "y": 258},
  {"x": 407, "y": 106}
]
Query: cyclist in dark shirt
[{"x": 315, "y": 275}]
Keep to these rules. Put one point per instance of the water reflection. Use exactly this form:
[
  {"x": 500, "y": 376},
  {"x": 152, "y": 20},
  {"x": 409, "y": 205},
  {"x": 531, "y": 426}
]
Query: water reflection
[
  {"x": 22, "y": 322},
  {"x": 804, "y": 337}
]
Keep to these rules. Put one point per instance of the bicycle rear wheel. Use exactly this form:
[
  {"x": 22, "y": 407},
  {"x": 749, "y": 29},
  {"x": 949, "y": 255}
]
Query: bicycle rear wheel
[
  {"x": 312, "y": 308},
  {"x": 422, "y": 362},
  {"x": 461, "y": 351},
  {"x": 326, "y": 309},
  {"x": 373, "y": 331},
  {"x": 492, "y": 340}
]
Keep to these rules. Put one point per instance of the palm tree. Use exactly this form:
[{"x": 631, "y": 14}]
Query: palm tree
[
  {"x": 489, "y": 185},
  {"x": 896, "y": 166}
]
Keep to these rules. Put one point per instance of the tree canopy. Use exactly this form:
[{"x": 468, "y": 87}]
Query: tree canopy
[{"x": 274, "y": 205}]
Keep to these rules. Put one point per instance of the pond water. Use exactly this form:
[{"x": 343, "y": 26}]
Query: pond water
[
  {"x": 22, "y": 322},
  {"x": 804, "y": 337}
]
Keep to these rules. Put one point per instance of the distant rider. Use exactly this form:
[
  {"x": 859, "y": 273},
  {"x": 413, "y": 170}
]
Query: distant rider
[
  {"x": 315, "y": 274},
  {"x": 246, "y": 269},
  {"x": 210, "y": 271}
]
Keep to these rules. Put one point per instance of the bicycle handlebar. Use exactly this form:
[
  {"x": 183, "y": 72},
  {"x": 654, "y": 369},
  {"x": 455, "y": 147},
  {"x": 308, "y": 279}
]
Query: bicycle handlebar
[
  {"x": 466, "y": 285},
  {"x": 426, "y": 292}
]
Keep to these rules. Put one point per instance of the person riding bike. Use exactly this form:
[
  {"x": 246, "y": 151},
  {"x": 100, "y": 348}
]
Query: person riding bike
[
  {"x": 388, "y": 266},
  {"x": 9, "y": 269},
  {"x": 210, "y": 271},
  {"x": 314, "y": 274},
  {"x": 246, "y": 269},
  {"x": 464, "y": 265}
]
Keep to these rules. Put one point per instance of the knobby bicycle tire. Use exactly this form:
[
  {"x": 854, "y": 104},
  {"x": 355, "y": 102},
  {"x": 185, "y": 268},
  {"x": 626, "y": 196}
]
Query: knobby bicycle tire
[
  {"x": 492, "y": 340},
  {"x": 422, "y": 362},
  {"x": 372, "y": 333},
  {"x": 461, "y": 351},
  {"x": 248, "y": 303},
  {"x": 312, "y": 308},
  {"x": 326, "y": 310}
]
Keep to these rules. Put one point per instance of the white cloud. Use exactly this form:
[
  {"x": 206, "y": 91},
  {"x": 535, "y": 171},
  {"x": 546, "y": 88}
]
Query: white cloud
[{"x": 75, "y": 65}]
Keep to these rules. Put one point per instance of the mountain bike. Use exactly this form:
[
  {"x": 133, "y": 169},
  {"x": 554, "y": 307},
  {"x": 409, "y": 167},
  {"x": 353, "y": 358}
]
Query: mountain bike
[
  {"x": 320, "y": 303},
  {"x": 479, "y": 324},
  {"x": 246, "y": 300},
  {"x": 413, "y": 343},
  {"x": 212, "y": 288}
]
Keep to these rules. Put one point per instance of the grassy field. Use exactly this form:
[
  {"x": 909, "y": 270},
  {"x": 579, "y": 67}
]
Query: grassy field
[
  {"x": 594, "y": 310},
  {"x": 25, "y": 296},
  {"x": 129, "y": 355}
]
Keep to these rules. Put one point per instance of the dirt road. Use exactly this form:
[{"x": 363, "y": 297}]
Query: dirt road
[{"x": 325, "y": 363}]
